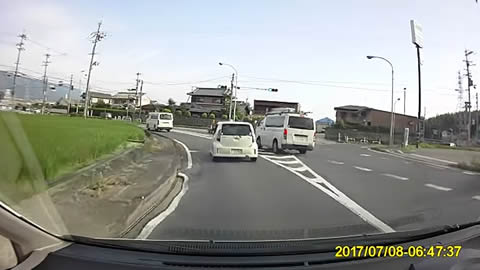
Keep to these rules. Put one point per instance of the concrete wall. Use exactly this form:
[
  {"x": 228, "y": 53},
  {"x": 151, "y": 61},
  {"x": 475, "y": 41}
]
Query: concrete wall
[
  {"x": 332, "y": 134},
  {"x": 193, "y": 121}
]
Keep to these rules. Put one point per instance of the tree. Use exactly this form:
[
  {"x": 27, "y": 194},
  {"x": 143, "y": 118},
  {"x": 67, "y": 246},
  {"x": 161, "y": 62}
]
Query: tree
[
  {"x": 188, "y": 114},
  {"x": 224, "y": 116},
  {"x": 179, "y": 113},
  {"x": 212, "y": 116},
  {"x": 171, "y": 102},
  {"x": 167, "y": 110},
  {"x": 204, "y": 115}
]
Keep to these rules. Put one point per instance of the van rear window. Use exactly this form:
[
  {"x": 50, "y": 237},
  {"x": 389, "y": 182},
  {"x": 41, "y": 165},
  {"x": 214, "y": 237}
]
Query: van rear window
[
  {"x": 165, "y": 116},
  {"x": 300, "y": 122},
  {"x": 238, "y": 130}
]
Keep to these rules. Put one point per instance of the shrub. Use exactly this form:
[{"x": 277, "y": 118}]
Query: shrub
[
  {"x": 167, "y": 110},
  {"x": 179, "y": 113},
  {"x": 212, "y": 116},
  {"x": 204, "y": 115},
  {"x": 188, "y": 114},
  {"x": 225, "y": 116}
]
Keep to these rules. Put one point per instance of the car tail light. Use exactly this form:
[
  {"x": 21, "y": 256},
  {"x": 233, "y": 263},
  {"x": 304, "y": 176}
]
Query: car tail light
[{"x": 285, "y": 133}]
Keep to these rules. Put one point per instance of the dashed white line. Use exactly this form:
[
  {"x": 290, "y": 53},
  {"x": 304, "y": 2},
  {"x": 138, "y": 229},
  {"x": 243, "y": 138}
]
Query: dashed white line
[
  {"x": 470, "y": 173},
  {"x": 476, "y": 197},
  {"x": 438, "y": 187},
  {"x": 336, "y": 162},
  {"x": 396, "y": 176},
  {"x": 362, "y": 169},
  {"x": 152, "y": 224},
  {"x": 365, "y": 155}
]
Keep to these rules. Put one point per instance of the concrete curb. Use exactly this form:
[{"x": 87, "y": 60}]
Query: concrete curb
[
  {"x": 156, "y": 202},
  {"x": 161, "y": 195}
]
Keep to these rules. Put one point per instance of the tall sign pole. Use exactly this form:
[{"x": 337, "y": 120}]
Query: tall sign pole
[{"x": 417, "y": 40}]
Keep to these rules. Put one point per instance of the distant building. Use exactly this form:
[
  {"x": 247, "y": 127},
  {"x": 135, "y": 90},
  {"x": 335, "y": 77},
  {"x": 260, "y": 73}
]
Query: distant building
[
  {"x": 365, "y": 116},
  {"x": 97, "y": 97},
  {"x": 207, "y": 100},
  {"x": 260, "y": 107},
  {"x": 323, "y": 123}
]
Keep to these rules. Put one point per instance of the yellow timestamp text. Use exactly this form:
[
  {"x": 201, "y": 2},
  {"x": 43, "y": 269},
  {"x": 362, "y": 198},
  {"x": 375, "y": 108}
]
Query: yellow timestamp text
[{"x": 396, "y": 251}]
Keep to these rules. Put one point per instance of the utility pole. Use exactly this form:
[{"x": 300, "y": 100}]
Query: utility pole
[
  {"x": 97, "y": 36},
  {"x": 136, "y": 94},
  {"x": 70, "y": 89},
  {"x": 20, "y": 48},
  {"x": 469, "y": 105},
  {"x": 231, "y": 97},
  {"x": 476, "y": 119},
  {"x": 141, "y": 90},
  {"x": 404, "y": 101},
  {"x": 45, "y": 81}
]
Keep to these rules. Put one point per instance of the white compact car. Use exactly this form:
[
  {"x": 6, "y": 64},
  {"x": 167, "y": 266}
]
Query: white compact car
[
  {"x": 286, "y": 130},
  {"x": 159, "y": 121},
  {"x": 234, "y": 139}
]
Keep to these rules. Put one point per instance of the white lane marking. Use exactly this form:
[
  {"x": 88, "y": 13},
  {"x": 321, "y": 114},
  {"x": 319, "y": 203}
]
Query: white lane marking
[
  {"x": 470, "y": 173},
  {"x": 438, "y": 187},
  {"x": 424, "y": 162},
  {"x": 189, "y": 154},
  {"x": 287, "y": 162},
  {"x": 476, "y": 197},
  {"x": 300, "y": 169},
  {"x": 281, "y": 157},
  {"x": 325, "y": 186},
  {"x": 336, "y": 162},
  {"x": 436, "y": 159},
  {"x": 362, "y": 169},
  {"x": 194, "y": 151},
  {"x": 205, "y": 136},
  {"x": 435, "y": 166},
  {"x": 384, "y": 158},
  {"x": 396, "y": 176},
  {"x": 406, "y": 162},
  {"x": 364, "y": 147},
  {"x": 153, "y": 223},
  {"x": 365, "y": 155}
]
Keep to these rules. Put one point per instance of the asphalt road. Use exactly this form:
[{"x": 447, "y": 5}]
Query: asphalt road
[{"x": 335, "y": 190}]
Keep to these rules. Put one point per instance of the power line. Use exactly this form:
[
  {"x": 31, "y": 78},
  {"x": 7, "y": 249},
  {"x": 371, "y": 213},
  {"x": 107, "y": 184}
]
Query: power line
[
  {"x": 185, "y": 83},
  {"x": 46, "y": 47}
]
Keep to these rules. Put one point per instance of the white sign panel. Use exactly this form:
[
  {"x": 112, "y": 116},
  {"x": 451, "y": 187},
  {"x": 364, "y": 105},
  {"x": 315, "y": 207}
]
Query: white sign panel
[{"x": 417, "y": 33}]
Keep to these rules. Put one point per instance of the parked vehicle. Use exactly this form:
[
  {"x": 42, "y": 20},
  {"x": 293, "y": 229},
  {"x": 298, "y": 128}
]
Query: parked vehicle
[
  {"x": 286, "y": 130},
  {"x": 234, "y": 139},
  {"x": 160, "y": 121}
]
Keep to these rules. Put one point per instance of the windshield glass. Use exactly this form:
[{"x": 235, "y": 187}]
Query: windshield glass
[
  {"x": 239, "y": 130},
  {"x": 165, "y": 116},
  {"x": 181, "y": 120},
  {"x": 300, "y": 122}
]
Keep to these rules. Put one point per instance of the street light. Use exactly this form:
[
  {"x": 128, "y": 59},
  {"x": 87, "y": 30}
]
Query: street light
[
  {"x": 231, "y": 93},
  {"x": 394, "y": 113},
  {"x": 391, "y": 117}
]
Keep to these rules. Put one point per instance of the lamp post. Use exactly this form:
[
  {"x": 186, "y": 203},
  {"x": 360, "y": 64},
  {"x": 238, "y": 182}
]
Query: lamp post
[
  {"x": 231, "y": 92},
  {"x": 394, "y": 113},
  {"x": 391, "y": 117}
]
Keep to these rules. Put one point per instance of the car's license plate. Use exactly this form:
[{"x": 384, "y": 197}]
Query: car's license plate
[
  {"x": 236, "y": 151},
  {"x": 301, "y": 138}
]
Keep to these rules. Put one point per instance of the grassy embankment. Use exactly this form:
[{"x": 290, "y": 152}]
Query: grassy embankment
[{"x": 36, "y": 150}]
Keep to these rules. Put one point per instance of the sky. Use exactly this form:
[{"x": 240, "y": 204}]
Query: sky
[{"x": 313, "y": 52}]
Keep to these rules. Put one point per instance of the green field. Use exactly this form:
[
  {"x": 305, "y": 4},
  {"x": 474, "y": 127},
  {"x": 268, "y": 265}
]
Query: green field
[{"x": 36, "y": 147}]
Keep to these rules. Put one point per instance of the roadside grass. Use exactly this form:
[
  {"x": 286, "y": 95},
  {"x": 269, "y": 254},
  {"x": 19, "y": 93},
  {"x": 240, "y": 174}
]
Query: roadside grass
[
  {"x": 472, "y": 166},
  {"x": 443, "y": 146},
  {"x": 35, "y": 148}
]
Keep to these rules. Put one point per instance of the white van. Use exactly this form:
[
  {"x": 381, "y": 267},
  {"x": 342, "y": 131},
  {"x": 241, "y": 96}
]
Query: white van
[
  {"x": 159, "y": 121},
  {"x": 286, "y": 130},
  {"x": 234, "y": 139}
]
